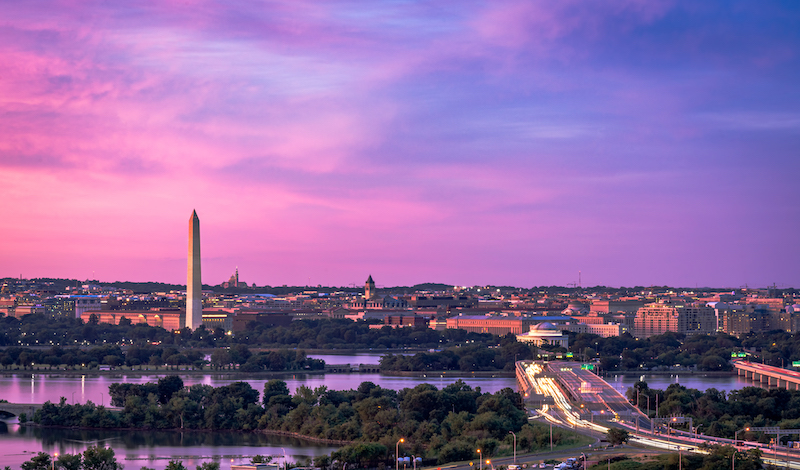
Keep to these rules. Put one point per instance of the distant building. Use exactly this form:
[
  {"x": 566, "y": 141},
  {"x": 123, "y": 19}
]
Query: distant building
[
  {"x": 386, "y": 302},
  {"x": 498, "y": 325},
  {"x": 657, "y": 319},
  {"x": 787, "y": 320},
  {"x": 218, "y": 318},
  {"x": 616, "y": 306},
  {"x": 233, "y": 281},
  {"x": 606, "y": 330},
  {"x": 169, "y": 319},
  {"x": 443, "y": 302},
  {"x": 243, "y": 318},
  {"x": 545, "y": 333},
  {"x": 28, "y": 309},
  {"x": 60, "y": 306},
  {"x": 370, "y": 292},
  {"x": 773, "y": 305},
  {"x": 7, "y": 307},
  {"x": 591, "y": 319},
  {"x": 399, "y": 321},
  {"x": 85, "y": 303}
]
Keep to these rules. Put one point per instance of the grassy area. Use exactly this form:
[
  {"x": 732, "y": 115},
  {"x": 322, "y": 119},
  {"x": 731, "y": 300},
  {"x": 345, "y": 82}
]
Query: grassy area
[{"x": 563, "y": 439}]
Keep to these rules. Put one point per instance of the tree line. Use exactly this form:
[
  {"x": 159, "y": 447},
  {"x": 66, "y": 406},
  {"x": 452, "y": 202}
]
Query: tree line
[
  {"x": 40, "y": 330},
  {"x": 722, "y": 414},
  {"x": 237, "y": 357},
  {"x": 454, "y": 349},
  {"x": 443, "y": 425},
  {"x": 476, "y": 356}
]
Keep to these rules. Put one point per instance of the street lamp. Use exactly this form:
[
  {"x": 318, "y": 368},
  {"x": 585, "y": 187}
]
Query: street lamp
[
  {"x": 414, "y": 460},
  {"x": 397, "y": 454},
  {"x": 733, "y": 460},
  {"x": 584, "y": 460},
  {"x": 480, "y": 459},
  {"x": 285, "y": 464},
  {"x": 55, "y": 457},
  {"x": 736, "y": 435},
  {"x": 515, "y": 446}
]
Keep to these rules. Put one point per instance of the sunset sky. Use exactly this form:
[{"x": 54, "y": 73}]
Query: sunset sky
[{"x": 466, "y": 142}]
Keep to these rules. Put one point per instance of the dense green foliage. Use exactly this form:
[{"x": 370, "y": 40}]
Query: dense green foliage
[
  {"x": 93, "y": 458},
  {"x": 454, "y": 349},
  {"x": 720, "y": 414},
  {"x": 707, "y": 353},
  {"x": 447, "y": 424},
  {"x": 135, "y": 356},
  {"x": 469, "y": 357},
  {"x": 616, "y": 436},
  {"x": 346, "y": 334},
  {"x": 39, "y": 330}
]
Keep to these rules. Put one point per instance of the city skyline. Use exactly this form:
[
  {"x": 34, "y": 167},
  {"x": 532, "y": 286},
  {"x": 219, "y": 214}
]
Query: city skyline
[{"x": 473, "y": 143}]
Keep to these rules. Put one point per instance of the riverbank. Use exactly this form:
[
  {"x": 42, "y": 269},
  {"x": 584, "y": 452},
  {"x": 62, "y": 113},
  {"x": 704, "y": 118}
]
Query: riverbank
[
  {"x": 268, "y": 432},
  {"x": 235, "y": 373},
  {"x": 696, "y": 373},
  {"x": 450, "y": 373}
]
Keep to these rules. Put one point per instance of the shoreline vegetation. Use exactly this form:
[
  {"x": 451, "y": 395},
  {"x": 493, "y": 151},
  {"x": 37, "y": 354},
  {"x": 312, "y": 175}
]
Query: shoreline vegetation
[
  {"x": 76, "y": 345},
  {"x": 122, "y": 371},
  {"x": 441, "y": 425}
]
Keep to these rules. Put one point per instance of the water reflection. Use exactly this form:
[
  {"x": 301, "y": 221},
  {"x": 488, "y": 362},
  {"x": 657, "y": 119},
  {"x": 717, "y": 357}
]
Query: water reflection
[
  {"x": 50, "y": 437},
  {"x": 154, "y": 448}
]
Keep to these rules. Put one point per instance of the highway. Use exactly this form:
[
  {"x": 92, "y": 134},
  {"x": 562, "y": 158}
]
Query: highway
[{"x": 583, "y": 401}]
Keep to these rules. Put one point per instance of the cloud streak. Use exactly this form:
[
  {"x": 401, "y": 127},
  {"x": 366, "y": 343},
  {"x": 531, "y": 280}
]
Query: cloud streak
[{"x": 465, "y": 142}]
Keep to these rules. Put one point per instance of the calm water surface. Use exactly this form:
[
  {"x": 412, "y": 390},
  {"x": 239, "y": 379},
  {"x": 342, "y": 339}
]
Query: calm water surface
[
  {"x": 661, "y": 382},
  {"x": 154, "y": 449}
]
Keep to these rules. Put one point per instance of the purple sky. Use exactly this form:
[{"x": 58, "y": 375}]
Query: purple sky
[{"x": 466, "y": 142}]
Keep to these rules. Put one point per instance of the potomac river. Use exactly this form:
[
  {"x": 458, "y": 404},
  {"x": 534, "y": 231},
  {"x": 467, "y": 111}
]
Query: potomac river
[{"x": 135, "y": 449}]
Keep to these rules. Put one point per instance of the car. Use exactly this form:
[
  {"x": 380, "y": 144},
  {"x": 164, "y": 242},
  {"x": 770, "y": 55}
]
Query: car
[{"x": 542, "y": 465}]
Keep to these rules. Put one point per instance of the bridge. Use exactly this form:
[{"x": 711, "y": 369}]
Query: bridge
[
  {"x": 769, "y": 375},
  {"x": 15, "y": 409},
  {"x": 580, "y": 397}
]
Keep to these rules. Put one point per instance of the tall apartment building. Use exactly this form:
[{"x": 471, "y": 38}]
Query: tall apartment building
[{"x": 657, "y": 319}]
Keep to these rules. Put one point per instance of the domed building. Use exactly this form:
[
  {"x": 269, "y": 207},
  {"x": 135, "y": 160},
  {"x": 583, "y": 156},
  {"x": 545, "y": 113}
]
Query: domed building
[{"x": 545, "y": 333}]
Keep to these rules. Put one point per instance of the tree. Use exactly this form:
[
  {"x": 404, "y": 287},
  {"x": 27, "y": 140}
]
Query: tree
[
  {"x": 617, "y": 436},
  {"x": 40, "y": 461},
  {"x": 209, "y": 466},
  {"x": 69, "y": 461},
  {"x": 100, "y": 458},
  {"x": 167, "y": 387},
  {"x": 176, "y": 465},
  {"x": 220, "y": 358},
  {"x": 273, "y": 388}
]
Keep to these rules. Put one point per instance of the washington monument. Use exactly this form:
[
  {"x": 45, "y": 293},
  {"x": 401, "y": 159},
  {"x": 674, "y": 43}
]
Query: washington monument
[{"x": 194, "y": 288}]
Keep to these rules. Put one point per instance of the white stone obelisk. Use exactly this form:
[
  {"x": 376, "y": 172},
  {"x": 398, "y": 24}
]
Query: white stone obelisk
[{"x": 194, "y": 288}]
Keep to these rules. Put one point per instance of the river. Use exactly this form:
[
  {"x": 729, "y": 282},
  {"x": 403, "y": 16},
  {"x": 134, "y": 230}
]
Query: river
[{"x": 135, "y": 449}]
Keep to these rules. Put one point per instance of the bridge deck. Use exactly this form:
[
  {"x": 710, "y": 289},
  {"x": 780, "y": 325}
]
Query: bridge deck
[{"x": 769, "y": 375}]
